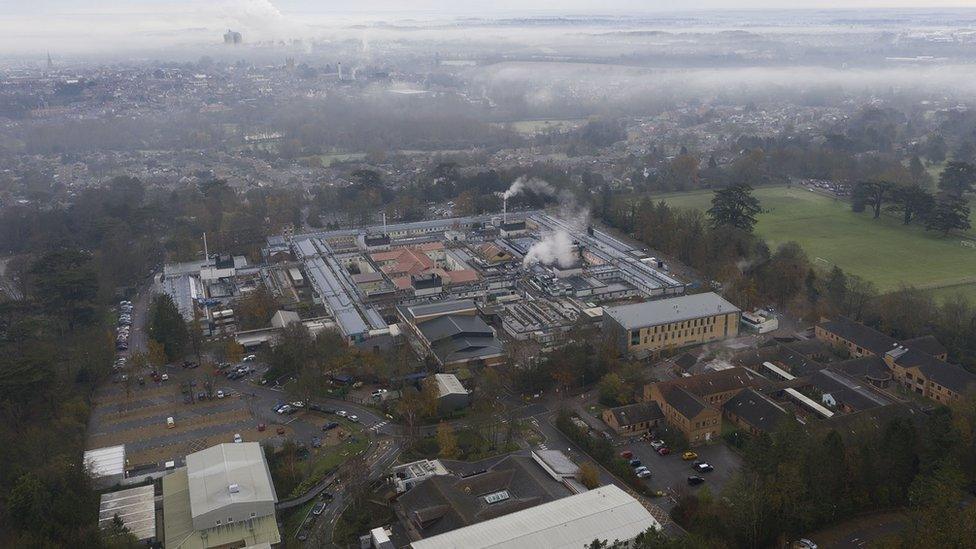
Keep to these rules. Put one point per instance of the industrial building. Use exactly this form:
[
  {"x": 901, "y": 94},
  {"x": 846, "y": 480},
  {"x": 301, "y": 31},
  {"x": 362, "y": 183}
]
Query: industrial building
[
  {"x": 223, "y": 497},
  {"x": 135, "y": 507},
  {"x": 668, "y": 324},
  {"x": 606, "y": 513}
]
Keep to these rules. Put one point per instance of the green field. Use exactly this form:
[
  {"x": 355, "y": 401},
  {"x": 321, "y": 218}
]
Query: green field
[
  {"x": 533, "y": 127},
  {"x": 881, "y": 250}
]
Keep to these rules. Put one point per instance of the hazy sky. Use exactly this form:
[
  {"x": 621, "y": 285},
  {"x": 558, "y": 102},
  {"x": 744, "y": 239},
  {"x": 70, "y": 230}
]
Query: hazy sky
[{"x": 28, "y": 27}]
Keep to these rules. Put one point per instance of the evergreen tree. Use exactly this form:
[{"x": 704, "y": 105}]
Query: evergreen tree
[
  {"x": 167, "y": 326},
  {"x": 957, "y": 178},
  {"x": 734, "y": 206},
  {"x": 950, "y": 212}
]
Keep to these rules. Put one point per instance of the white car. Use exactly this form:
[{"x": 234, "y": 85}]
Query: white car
[
  {"x": 353, "y": 418},
  {"x": 238, "y": 438},
  {"x": 220, "y": 394},
  {"x": 342, "y": 413},
  {"x": 249, "y": 358},
  {"x": 164, "y": 377},
  {"x": 298, "y": 404}
]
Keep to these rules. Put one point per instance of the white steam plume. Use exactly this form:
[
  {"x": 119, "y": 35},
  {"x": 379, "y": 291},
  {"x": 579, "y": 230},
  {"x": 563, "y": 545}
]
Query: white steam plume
[
  {"x": 555, "y": 247},
  {"x": 533, "y": 184}
]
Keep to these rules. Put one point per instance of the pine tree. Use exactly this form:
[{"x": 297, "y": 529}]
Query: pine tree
[
  {"x": 951, "y": 212},
  {"x": 734, "y": 206}
]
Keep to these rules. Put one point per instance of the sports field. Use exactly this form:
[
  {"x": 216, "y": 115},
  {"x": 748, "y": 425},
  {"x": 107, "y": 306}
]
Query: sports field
[{"x": 881, "y": 250}]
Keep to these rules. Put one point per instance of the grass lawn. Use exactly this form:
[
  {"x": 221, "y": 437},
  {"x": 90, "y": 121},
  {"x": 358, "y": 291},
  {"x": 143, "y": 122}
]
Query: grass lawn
[
  {"x": 967, "y": 291},
  {"x": 881, "y": 250},
  {"x": 532, "y": 127}
]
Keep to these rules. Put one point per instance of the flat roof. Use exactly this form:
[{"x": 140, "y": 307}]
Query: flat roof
[
  {"x": 574, "y": 521},
  {"x": 136, "y": 507},
  {"x": 448, "y": 384},
  {"x": 211, "y": 472},
  {"x": 665, "y": 311},
  {"x": 105, "y": 462}
]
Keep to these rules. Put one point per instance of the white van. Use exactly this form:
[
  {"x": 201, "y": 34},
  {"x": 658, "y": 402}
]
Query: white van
[{"x": 170, "y": 422}]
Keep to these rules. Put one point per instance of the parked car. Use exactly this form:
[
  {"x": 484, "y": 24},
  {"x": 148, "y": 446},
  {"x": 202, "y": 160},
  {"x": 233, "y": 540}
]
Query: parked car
[
  {"x": 703, "y": 467},
  {"x": 249, "y": 358},
  {"x": 353, "y": 418},
  {"x": 280, "y": 430},
  {"x": 657, "y": 444},
  {"x": 695, "y": 480},
  {"x": 262, "y": 427},
  {"x": 342, "y": 413},
  {"x": 627, "y": 454},
  {"x": 663, "y": 451},
  {"x": 220, "y": 394},
  {"x": 319, "y": 507},
  {"x": 330, "y": 426},
  {"x": 635, "y": 463},
  {"x": 298, "y": 404},
  {"x": 316, "y": 442},
  {"x": 643, "y": 472},
  {"x": 164, "y": 377},
  {"x": 689, "y": 455},
  {"x": 238, "y": 438},
  {"x": 284, "y": 409},
  {"x": 803, "y": 543}
]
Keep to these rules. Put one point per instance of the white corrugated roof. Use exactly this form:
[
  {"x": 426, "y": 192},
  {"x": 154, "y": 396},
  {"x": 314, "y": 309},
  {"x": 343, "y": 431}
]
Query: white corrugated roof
[
  {"x": 606, "y": 513},
  {"x": 448, "y": 384},
  {"x": 136, "y": 507},
  {"x": 105, "y": 462}
]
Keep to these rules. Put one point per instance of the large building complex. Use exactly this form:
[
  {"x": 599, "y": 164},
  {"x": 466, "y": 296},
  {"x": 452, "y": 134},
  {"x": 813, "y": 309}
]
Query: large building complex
[
  {"x": 918, "y": 364},
  {"x": 668, "y": 324}
]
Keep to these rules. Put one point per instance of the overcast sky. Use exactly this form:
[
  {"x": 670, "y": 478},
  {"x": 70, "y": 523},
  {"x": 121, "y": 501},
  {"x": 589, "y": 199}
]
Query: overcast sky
[{"x": 28, "y": 27}]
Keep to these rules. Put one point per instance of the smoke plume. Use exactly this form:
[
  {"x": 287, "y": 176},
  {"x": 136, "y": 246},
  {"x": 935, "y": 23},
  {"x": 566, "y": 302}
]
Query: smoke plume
[
  {"x": 555, "y": 247},
  {"x": 538, "y": 186}
]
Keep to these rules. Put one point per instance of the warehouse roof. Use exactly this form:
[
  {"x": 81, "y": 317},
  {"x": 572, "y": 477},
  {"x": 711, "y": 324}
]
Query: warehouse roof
[
  {"x": 606, "y": 513},
  {"x": 448, "y": 384},
  {"x": 228, "y": 474},
  {"x": 136, "y": 507},
  {"x": 453, "y": 326},
  {"x": 665, "y": 311},
  {"x": 105, "y": 462}
]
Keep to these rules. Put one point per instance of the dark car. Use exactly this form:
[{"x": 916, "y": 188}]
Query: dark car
[
  {"x": 315, "y": 407},
  {"x": 695, "y": 480},
  {"x": 316, "y": 442},
  {"x": 303, "y": 535},
  {"x": 317, "y": 510},
  {"x": 635, "y": 463},
  {"x": 330, "y": 426}
]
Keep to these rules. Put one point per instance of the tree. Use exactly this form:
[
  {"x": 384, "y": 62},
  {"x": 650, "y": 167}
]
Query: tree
[
  {"x": 935, "y": 148},
  {"x": 912, "y": 201},
  {"x": 157, "y": 354},
  {"x": 589, "y": 475},
  {"x": 447, "y": 444},
  {"x": 65, "y": 284},
  {"x": 920, "y": 176},
  {"x": 233, "y": 352},
  {"x": 734, "y": 206},
  {"x": 874, "y": 194},
  {"x": 256, "y": 308},
  {"x": 167, "y": 326},
  {"x": 612, "y": 390},
  {"x": 957, "y": 178},
  {"x": 951, "y": 212}
]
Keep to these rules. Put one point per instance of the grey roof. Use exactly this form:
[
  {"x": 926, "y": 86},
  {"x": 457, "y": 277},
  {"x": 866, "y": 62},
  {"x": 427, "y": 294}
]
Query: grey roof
[
  {"x": 869, "y": 367},
  {"x": 945, "y": 374},
  {"x": 640, "y": 412},
  {"x": 927, "y": 344},
  {"x": 444, "y": 503},
  {"x": 605, "y": 513},
  {"x": 212, "y": 471},
  {"x": 684, "y": 402},
  {"x": 437, "y": 308},
  {"x": 756, "y": 409},
  {"x": 450, "y": 326},
  {"x": 665, "y": 311},
  {"x": 846, "y": 391},
  {"x": 467, "y": 348},
  {"x": 104, "y": 462},
  {"x": 861, "y": 335}
]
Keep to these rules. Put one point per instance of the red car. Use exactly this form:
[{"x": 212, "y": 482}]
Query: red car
[
  {"x": 663, "y": 451},
  {"x": 627, "y": 454}
]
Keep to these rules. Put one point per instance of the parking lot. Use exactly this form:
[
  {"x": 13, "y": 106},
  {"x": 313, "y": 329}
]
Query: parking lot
[
  {"x": 136, "y": 416},
  {"x": 670, "y": 473}
]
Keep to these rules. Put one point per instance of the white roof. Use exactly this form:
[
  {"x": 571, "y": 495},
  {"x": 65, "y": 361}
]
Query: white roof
[
  {"x": 448, "y": 384},
  {"x": 664, "y": 311},
  {"x": 606, "y": 513},
  {"x": 105, "y": 462},
  {"x": 211, "y": 473},
  {"x": 136, "y": 507}
]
